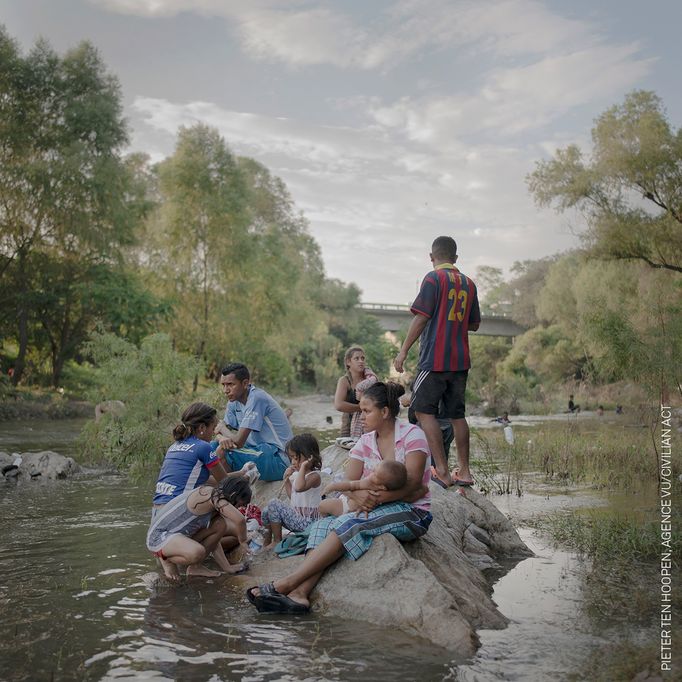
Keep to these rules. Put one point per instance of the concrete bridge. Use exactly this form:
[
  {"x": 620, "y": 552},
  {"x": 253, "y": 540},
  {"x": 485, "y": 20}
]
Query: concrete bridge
[{"x": 396, "y": 317}]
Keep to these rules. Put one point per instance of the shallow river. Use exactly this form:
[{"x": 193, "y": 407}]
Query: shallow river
[{"x": 73, "y": 604}]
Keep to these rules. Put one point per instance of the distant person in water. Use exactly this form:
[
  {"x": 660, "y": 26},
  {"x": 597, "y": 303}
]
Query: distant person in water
[
  {"x": 619, "y": 409},
  {"x": 190, "y": 527},
  {"x": 504, "y": 419},
  {"x": 345, "y": 399},
  {"x": 600, "y": 411},
  {"x": 255, "y": 428},
  {"x": 572, "y": 407}
]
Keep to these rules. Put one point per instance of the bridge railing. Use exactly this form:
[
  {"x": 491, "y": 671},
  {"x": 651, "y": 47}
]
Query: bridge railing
[{"x": 400, "y": 308}]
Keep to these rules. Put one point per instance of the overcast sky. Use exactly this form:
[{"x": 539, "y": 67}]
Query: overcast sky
[{"x": 391, "y": 121}]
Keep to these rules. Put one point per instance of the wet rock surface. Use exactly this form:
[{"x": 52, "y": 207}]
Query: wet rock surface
[
  {"x": 35, "y": 466},
  {"x": 432, "y": 588}
]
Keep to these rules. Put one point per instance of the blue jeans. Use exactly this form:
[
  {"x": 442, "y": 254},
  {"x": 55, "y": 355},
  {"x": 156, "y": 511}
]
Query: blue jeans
[{"x": 268, "y": 459}]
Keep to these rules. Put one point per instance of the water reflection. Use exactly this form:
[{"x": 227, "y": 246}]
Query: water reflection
[{"x": 73, "y": 605}]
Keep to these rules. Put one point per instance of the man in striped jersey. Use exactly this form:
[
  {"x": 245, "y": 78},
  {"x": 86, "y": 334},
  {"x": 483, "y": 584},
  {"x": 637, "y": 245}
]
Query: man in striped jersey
[{"x": 445, "y": 310}]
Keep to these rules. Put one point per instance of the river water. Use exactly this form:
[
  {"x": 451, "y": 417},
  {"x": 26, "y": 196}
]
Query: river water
[{"x": 73, "y": 604}]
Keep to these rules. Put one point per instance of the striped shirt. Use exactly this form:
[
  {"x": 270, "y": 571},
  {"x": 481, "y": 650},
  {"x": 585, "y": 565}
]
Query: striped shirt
[
  {"x": 449, "y": 299},
  {"x": 408, "y": 438}
]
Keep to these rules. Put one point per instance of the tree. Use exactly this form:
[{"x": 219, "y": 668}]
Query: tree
[
  {"x": 494, "y": 291},
  {"x": 65, "y": 193},
  {"x": 629, "y": 189},
  {"x": 199, "y": 236},
  {"x": 525, "y": 286},
  {"x": 71, "y": 298}
]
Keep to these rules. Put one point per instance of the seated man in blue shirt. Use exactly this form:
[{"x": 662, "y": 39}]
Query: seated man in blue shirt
[{"x": 262, "y": 428}]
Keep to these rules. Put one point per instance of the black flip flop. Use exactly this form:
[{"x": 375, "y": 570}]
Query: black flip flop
[{"x": 271, "y": 601}]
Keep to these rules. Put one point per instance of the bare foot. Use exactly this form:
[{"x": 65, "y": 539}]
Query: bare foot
[
  {"x": 200, "y": 571},
  {"x": 235, "y": 568},
  {"x": 170, "y": 570}
]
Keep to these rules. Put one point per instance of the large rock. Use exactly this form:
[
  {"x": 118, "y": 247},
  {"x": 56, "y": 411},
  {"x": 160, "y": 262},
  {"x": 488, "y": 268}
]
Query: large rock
[
  {"x": 433, "y": 588},
  {"x": 46, "y": 465}
]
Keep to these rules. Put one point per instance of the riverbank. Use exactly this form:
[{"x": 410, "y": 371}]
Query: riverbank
[{"x": 44, "y": 406}]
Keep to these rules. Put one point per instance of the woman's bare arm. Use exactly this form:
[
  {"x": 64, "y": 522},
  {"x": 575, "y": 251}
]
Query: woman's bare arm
[{"x": 340, "y": 402}]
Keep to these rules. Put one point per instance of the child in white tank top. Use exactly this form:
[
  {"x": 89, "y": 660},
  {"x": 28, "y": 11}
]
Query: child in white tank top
[{"x": 303, "y": 485}]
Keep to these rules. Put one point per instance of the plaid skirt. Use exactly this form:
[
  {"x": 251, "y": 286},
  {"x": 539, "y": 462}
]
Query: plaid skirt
[{"x": 357, "y": 531}]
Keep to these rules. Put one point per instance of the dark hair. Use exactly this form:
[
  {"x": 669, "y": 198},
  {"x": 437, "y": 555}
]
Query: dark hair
[
  {"x": 197, "y": 414},
  {"x": 444, "y": 248},
  {"x": 235, "y": 490},
  {"x": 396, "y": 474},
  {"x": 386, "y": 394},
  {"x": 239, "y": 369},
  {"x": 305, "y": 445}
]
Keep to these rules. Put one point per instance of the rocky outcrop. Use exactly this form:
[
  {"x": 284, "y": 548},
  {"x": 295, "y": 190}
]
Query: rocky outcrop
[
  {"x": 432, "y": 588},
  {"x": 46, "y": 465}
]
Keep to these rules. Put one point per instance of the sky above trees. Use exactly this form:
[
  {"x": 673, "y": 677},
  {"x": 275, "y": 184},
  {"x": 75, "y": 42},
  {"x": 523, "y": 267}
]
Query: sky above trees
[{"x": 391, "y": 122}]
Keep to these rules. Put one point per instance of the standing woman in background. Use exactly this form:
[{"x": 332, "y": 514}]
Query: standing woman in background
[{"x": 345, "y": 400}]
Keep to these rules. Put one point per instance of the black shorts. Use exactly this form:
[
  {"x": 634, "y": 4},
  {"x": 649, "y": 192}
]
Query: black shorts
[{"x": 430, "y": 388}]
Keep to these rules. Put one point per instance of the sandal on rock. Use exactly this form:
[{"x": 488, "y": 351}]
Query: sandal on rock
[
  {"x": 271, "y": 601},
  {"x": 437, "y": 480}
]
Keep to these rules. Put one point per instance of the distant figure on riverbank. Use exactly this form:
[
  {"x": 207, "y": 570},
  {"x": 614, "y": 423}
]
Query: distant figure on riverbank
[
  {"x": 504, "y": 419},
  {"x": 600, "y": 411},
  {"x": 345, "y": 400},
  {"x": 255, "y": 428},
  {"x": 572, "y": 407},
  {"x": 619, "y": 409},
  {"x": 445, "y": 310}
]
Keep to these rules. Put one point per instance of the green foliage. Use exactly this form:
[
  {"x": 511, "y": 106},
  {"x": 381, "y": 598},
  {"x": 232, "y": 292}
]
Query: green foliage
[
  {"x": 68, "y": 203},
  {"x": 484, "y": 382},
  {"x": 154, "y": 382},
  {"x": 606, "y": 537},
  {"x": 495, "y": 294},
  {"x": 525, "y": 286},
  {"x": 612, "y": 458},
  {"x": 630, "y": 190}
]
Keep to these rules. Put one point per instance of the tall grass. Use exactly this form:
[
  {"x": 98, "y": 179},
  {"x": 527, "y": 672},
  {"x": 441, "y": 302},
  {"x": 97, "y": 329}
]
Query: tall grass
[
  {"x": 607, "y": 536},
  {"x": 613, "y": 456}
]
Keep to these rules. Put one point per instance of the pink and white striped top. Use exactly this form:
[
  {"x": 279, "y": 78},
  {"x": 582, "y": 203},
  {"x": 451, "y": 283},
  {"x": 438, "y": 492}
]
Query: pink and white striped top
[{"x": 408, "y": 438}]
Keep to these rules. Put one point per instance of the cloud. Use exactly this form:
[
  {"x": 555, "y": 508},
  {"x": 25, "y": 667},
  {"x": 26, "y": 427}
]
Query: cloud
[
  {"x": 375, "y": 201},
  {"x": 305, "y": 33},
  {"x": 412, "y": 165},
  {"x": 510, "y": 101}
]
